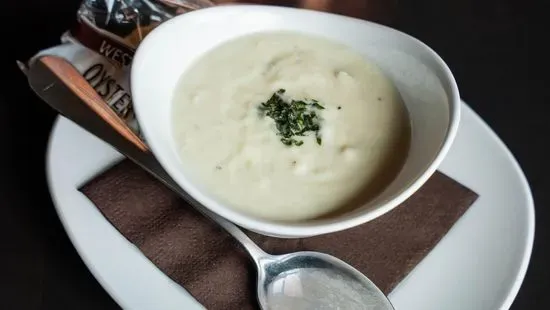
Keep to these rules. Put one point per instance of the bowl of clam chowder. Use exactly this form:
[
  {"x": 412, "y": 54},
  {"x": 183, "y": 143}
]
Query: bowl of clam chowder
[{"x": 290, "y": 122}]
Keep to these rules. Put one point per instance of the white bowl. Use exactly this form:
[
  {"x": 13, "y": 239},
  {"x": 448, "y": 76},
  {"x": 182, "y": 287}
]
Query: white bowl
[{"x": 423, "y": 79}]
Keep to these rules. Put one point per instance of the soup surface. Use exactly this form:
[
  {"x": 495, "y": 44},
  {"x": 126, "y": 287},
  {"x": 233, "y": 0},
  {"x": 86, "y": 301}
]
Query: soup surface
[{"x": 285, "y": 126}]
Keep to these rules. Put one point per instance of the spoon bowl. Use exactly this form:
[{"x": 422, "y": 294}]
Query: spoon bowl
[{"x": 313, "y": 280}]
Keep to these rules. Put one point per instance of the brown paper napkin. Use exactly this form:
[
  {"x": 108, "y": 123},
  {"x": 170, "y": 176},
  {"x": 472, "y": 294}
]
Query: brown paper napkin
[{"x": 206, "y": 261}]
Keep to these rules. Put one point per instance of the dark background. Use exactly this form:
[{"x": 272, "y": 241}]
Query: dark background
[{"x": 485, "y": 42}]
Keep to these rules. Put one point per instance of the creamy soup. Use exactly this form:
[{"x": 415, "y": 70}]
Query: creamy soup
[{"x": 285, "y": 126}]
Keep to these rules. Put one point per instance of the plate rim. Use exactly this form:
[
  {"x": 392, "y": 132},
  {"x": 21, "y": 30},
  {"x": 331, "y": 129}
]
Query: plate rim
[
  {"x": 506, "y": 303},
  {"x": 530, "y": 203}
]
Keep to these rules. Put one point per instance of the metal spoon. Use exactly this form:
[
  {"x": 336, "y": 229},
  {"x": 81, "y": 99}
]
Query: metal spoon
[{"x": 301, "y": 280}]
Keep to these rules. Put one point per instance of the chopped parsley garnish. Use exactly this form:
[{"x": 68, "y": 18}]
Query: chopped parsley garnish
[{"x": 292, "y": 119}]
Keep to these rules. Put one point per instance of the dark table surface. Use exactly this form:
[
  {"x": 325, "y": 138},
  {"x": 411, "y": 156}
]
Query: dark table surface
[{"x": 485, "y": 42}]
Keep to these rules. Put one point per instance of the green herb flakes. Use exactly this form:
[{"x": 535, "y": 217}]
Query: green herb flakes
[{"x": 292, "y": 119}]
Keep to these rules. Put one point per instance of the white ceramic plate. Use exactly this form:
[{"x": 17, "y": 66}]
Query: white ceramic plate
[{"x": 479, "y": 264}]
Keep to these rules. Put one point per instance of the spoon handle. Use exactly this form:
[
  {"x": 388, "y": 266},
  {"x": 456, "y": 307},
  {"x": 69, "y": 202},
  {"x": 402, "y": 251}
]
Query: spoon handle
[{"x": 62, "y": 87}]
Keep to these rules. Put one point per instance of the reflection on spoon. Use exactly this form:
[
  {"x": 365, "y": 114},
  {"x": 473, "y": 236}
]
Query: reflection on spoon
[
  {"x": 302, "y": 288},
  {"x": 310, "y": 280}
]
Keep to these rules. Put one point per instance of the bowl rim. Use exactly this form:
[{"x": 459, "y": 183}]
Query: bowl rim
[{"x": 312, "y": 228}]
